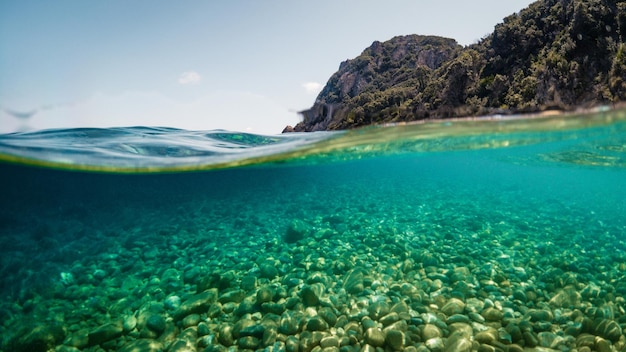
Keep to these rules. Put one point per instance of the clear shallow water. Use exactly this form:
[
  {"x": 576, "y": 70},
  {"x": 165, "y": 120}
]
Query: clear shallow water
[{"x": 476, "y": 210}]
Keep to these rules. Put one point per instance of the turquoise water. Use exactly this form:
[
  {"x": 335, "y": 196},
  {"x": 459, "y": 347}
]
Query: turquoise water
[{"x": 146, "y": 239}]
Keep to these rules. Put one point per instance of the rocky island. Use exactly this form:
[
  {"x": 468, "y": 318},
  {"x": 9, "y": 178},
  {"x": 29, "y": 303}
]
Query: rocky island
[{"x": 554, "y": 54}]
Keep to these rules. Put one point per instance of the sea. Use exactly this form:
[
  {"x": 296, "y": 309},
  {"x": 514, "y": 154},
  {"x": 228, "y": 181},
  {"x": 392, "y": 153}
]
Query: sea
[{"x": 505, "y": 233}]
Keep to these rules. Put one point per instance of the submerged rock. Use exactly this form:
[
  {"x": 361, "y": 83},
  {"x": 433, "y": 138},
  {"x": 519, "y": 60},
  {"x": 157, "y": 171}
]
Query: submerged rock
[
  {"x": 430, "y": 331},
  {"x": 328, "y": 315},
  {"x": 105, "y": 333},
  {"x": 243, "y": 327},
  {"x": 453, "y": 306},
  {"x": 142, "y": 345},
  {"x": 458, "y": 342},
  {"x": 375, "y": 337},
  {"x": 268, "y": 271},
  {"x": 492, "y": 314},
  {"x": 591, "y": 291},
  {"x": 296, "y": 231},
  {"x": 395, "y": 339},
  {"x": 487, "y": 336},
  {"x": 188, "y": 321},
  {"x": 235, "y": 296},
  {"x": 609, "y": 329},
  {"x": 435, "y": 344},
  {"x": 264, "y": 295},
  {"x": 353, "y": 282},
  {"x": 172, "y": 302},
  {"x": 311, "y": 294},
  {"x": 389, "y": 319},
  {"x": 197, "y": 303},
  {"x": 225, "y": 335},
  {"x": 378, "y": 309},
  {"x": 540, "y": 315},
  {"x": 37, "y": 338},
  {"x": 248, "y": 283},
  {"x": 316, "y": 323},
  {"x": 156, "y": 323},
  {"x": 248, "y": 342},
  {"x": 329, "y": 342},
  {"x": 289, "y": 323},
  {"x": 567, "y": 297},
  {"x": 457, "y": 318}
]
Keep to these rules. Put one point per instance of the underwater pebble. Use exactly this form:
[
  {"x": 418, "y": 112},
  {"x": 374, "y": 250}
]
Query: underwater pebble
[
  {"x": 142, "y": 345},
  {"x": 486, "y": 337},
  {"x": 264, "y": 294},
  {"x": 156, "y": 323},
  {"x": 328, "y": 315},
  {"x": 435, "y": 344},
  {"x": 105, "y": 333},
  {"x": 37, "y": 338},
  {"x": 395, "y": 339},
  {"x": 311, "y": 294},
  {"x": 239, "y": 328},
  {"x": 188, "y": 321},
  {"x": 329, "y": 341},
  {"x": 197, "y": 303},
  {"x": 530, "y": 339},
  {"x": 129, "y": 323},
  {"x": 353, "y": 283},
  {"x": 268, "y": 271},
  {"x": 289, "y": 323},
  {"x": 430, "y": 331},
  {"x": 609, "y": 329},
  {"x": 316, "y": 323},
  {"x": 457, "y": 318},
  {"x": 378, "y": 309},
  {"x": 476, "y": 317},
  {"x": 567, "y": 297},
  {"x": 248, "y": 283},
  {"x": 389, "y": 319},
  {"x": 235, "y": 296},
  {"x": 453, "y": 306},
  {"x": 461, "y": 328},
  {"x": 458, "y": 342},
  {"x": 549, "y": 339},
  {"x": 602, "y": 345},
  {"x": 248, "y": 342},
  {"x": 491, "y": 314},
  {"x": 225, "y": 335},
  {"x": 375, "y": 337},
  {"x": 204, "y": 329},
  {"x": 269, "y": 337}
]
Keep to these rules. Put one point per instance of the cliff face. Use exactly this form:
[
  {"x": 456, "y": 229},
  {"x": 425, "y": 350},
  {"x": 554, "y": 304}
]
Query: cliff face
[
  {"x": 554, "y": 54},
  {"x": 395, "y": 69}
]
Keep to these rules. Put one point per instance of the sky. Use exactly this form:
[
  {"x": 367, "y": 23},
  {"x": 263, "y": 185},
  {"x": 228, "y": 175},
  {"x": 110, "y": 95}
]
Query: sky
[{"x": 240, "y": 65}]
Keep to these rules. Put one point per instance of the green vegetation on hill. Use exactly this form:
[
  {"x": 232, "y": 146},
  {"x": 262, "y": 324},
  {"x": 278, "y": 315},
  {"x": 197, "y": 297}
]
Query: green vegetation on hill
[{"x": 555, "y": 54}]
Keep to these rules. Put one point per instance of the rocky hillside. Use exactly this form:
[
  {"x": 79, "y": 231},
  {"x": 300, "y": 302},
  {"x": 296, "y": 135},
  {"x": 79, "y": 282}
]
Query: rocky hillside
[{"x": 555, "y": 54}]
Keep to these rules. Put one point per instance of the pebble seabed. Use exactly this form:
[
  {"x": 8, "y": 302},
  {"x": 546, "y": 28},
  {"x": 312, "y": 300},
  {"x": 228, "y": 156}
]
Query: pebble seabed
[{"x": 343, "y": 282}]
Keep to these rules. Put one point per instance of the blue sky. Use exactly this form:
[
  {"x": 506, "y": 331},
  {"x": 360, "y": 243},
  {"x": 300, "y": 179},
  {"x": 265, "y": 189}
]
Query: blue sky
[{"x": 244, "y": 65}]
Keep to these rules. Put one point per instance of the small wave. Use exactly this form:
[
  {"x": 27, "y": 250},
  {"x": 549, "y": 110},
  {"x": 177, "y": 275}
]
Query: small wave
[
  {"x": 161, "y": 149},
  {"x": 146, "y": 149}
]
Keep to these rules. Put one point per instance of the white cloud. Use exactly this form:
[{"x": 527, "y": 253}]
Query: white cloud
[
  {"x": 312, "y": 87},
  {"x": 189, "y": 77}
]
